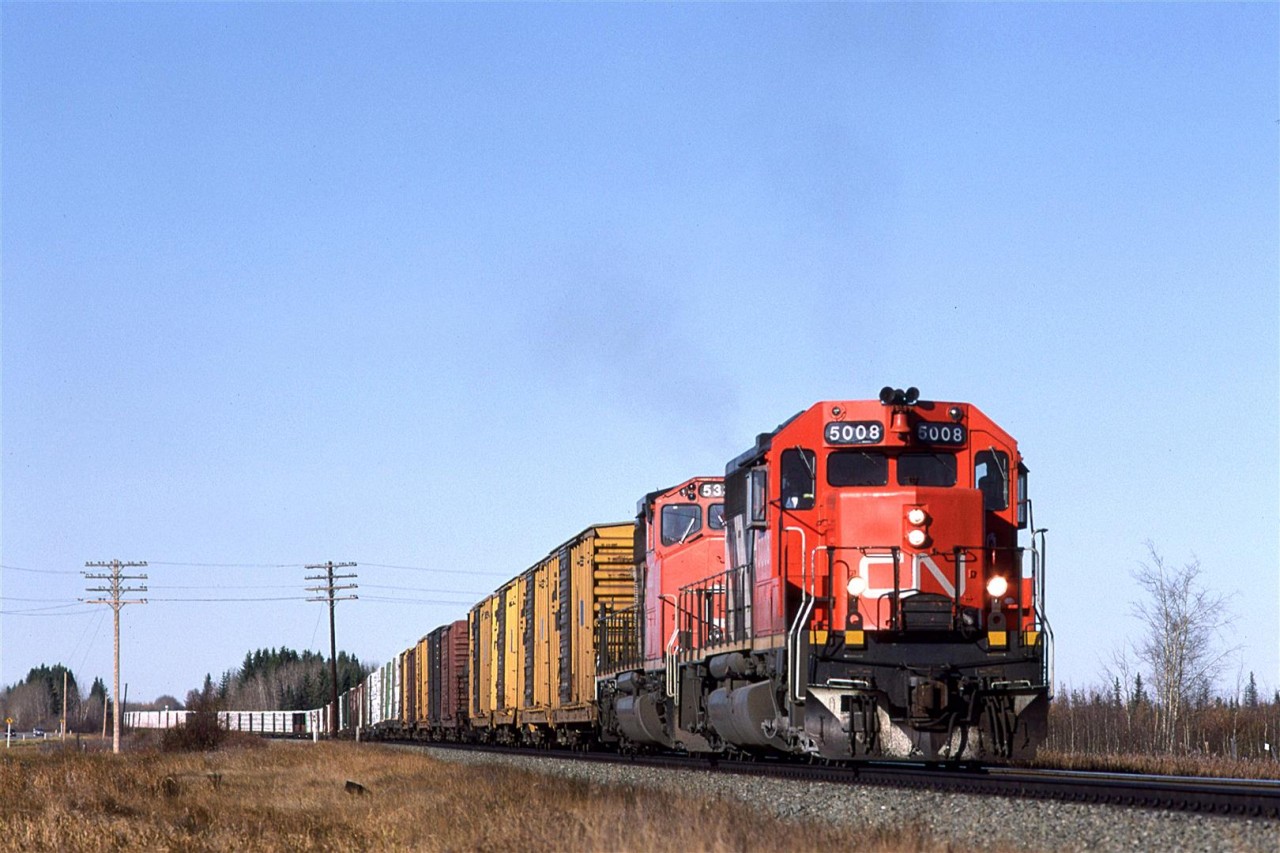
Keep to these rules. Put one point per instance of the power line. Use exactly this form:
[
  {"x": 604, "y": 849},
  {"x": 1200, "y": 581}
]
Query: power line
[
  {"x": 230, "y": 565},
  {"x": 301, "y": 565},
  {"x": 37, "y": 571},
  {"x": 37, "y": 611},
  {"x": 390, "y": 600},
  {"x": 263, "y": 598},
  {"x": 85, "y": 656},
  {"x": 229, "y": 586},
  {"x": 423, "y": 589},
  {"x": 465, "y": 572},
  {"x": 44, "y": 600},
  {"x": 439, "y": 571}
]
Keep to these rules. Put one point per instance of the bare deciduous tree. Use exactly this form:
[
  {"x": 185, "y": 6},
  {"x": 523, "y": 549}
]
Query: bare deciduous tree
[{"x": 1183, "y": 643}]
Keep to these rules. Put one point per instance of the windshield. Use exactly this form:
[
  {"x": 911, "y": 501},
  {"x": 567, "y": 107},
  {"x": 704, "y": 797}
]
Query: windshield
[
  {"x": 679, "y": 522},
  {"x": 927, "y": 469},
  {"x": 991, "y": 477},
  {"x": 797, "y": 478},
  {"x": 857, "y": 468}
]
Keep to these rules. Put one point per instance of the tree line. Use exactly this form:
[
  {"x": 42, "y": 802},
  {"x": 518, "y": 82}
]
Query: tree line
[
  {"x": 1128, "y": 719},
  {"x": 1161, "y": 695},
  {"x": 280, "y": 680},
  {"x": 268, "y": 680},
  {"x": 36, "y": 701}
]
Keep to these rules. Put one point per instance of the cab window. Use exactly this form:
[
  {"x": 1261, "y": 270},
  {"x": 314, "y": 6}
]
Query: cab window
[
  {"x": 991, "y": 477},
  {"x": 927, "y": 469},
  {"x": 797, "y": 479},
  {"x": 1023, "y": 501},
  {"x": 679, "y": 522},
  {"x": 857, "y": 468},
  {"x": 758, "y": 497},
  {"x": 715, "y": 516}
]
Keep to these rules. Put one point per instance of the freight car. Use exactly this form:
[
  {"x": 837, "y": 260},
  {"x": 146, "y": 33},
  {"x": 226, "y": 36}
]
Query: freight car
[
  {"x": 863, "y": 582},
  {"x": 274, "y": 723},
  {"x": 533, "y": 642}
]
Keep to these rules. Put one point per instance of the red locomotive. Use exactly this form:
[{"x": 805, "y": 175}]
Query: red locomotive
[
  {"x": 679, "y": 540},
  {"x": 863, "y": 582},
  {"x": 876, "y": 601}
]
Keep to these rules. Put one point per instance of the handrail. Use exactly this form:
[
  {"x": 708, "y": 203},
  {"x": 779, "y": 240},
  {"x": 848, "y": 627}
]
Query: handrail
[
  {"x": 672, "y": 678},
  {"x": 618, "y": 638},
  {"x": 722, "y": 611},
  {"x": 793, "y": 632},
  {"x": 1049, "y": 661}
]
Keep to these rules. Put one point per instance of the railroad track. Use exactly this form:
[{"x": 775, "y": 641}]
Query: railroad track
[{"x": 1233, "y": 797}]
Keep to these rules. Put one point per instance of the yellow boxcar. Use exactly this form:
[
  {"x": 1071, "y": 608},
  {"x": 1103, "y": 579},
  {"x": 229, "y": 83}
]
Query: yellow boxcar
[
  {"x": 532, "y": 643},
  {"x": 536, "y": 624},
  {"x": 481, "y": 647},
  {"x": 596, "y": 567},
  {"x": 421, "y": 691},
  {"x": 506, "y": 653},
  {"x": 408, "y": 687}
]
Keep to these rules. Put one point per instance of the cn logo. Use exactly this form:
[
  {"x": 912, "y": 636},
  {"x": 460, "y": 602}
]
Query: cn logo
[{"x": 877, "y": 571}]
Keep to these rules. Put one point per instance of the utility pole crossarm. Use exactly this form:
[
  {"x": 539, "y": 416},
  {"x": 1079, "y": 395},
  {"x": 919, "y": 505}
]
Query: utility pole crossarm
[
  {"x": 329, "y": 589},
  {"x": 115, "y": 602}
]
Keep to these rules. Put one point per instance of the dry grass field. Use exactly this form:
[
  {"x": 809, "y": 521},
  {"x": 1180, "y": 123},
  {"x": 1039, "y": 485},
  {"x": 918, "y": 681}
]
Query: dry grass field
[
  {"x": 1166, "y": 765},
  {"x": 292, "y": 796}
]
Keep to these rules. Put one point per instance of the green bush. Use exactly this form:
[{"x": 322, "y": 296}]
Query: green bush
[{"x": 200, "y": 732}]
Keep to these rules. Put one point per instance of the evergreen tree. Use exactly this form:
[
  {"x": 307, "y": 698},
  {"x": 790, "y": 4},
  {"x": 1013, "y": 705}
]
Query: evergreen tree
[
  {"x": 50, "y": 678},
  {"x": 1203, "y": 695},
  {"x": 285, "y": 679},
  {"x": 1251, "y": 692},
  {"x": 1139, "y": 692}
]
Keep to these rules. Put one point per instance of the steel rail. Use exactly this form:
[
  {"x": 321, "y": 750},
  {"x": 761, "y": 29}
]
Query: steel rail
[{"x": 1232, "y": 797}]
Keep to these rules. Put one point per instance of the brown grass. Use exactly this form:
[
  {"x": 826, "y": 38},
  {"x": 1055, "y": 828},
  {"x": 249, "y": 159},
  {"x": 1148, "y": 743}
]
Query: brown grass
[
  {"x": 1169, "y": 765},
  {"x": 292, "y": 796}
]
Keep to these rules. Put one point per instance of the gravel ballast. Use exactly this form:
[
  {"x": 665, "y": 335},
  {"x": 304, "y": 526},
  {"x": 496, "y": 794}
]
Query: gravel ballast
[{"x": 961, "y": 820}]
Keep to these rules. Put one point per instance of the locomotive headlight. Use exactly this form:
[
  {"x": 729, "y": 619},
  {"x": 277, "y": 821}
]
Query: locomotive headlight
[
  {"x": 857, "y": 585},
  {"x": 997, "y": 586},
  {"x": 916, "y": 537},
  {"x": 916, "y": 516}
]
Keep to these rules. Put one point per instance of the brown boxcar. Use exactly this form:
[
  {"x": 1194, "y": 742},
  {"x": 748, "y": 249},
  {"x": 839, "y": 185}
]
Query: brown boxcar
[{"x": 447, "y": 679}]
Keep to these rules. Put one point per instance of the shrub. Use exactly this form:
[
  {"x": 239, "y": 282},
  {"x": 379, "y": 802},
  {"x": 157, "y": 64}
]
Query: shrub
[{"x": 200, "y": 732}]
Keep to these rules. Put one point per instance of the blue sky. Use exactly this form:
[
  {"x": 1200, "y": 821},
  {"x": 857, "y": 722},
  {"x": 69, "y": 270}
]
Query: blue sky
[{"x": 436, "y": 286}]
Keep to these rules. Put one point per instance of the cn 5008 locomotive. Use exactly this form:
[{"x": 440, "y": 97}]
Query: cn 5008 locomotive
[{"x": 863, "y": 582}]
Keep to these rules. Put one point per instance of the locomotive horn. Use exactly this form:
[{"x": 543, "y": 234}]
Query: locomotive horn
[{"x": 886, "y": 395}]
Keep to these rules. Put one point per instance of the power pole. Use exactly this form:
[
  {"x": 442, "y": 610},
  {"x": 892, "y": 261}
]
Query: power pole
[
  {"x": 116, "y": 590},
  {"x": 329, "y": 590}
]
